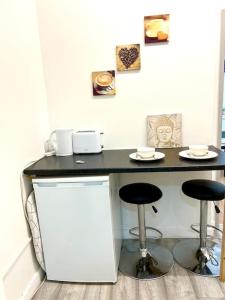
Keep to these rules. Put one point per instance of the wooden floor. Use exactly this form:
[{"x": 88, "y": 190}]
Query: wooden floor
[{"x": 176, "y": 285}]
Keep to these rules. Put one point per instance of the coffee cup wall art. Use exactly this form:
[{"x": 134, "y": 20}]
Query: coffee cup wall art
[
  {"x": 128, "y": 57},
  {"x": 103, "y": 83},
  {"x": 156, "y": 29}
]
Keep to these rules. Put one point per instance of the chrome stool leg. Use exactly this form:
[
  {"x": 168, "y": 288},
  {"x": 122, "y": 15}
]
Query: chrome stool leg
[
  {"x": 203, "y": 223},
  {"x": 145, "y": 263},
  {"x": 200, "y": 256},
  {"x": 141, "y": 222}
]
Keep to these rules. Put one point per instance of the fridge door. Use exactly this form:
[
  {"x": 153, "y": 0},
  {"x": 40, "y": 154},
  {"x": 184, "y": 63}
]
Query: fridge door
[{"x": 76, "y": 228}]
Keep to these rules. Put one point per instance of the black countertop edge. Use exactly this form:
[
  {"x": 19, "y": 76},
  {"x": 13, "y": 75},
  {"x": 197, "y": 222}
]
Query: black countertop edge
[
  {"x": 107, "y": 163},
  {"x": 64, "y": 172}
]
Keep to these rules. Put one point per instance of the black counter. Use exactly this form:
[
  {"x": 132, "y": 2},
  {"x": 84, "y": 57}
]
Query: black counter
[{"x": 118, "y": 161}]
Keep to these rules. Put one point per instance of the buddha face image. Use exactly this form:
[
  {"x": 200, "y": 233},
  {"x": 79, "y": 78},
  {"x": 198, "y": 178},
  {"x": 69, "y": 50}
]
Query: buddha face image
[{"x": 164, "y": 133}]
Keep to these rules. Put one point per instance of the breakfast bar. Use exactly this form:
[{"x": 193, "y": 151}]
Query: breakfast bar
[
  {"x": 118, "y": 161},
  {"x": 121, "y": 161}
]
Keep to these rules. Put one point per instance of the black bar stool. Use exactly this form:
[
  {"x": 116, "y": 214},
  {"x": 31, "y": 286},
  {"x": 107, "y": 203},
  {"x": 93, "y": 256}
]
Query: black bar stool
[
  {"x": 201, "y": 256},
  {"x": 145, "y": 263}
]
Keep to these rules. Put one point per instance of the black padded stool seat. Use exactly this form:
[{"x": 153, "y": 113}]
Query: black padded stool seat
[
  {"x": 140, "y": 193},
  {"x": 203, "y": 189}
]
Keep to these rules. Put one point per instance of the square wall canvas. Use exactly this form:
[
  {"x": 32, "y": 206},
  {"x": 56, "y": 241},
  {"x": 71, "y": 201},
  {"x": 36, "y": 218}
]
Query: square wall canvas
[
  {"x": 128, "y": 57},
  {"x": 156, "y": 29},
  {"x": 103, "y": 83},
  {"x": 164, "y": 131}
]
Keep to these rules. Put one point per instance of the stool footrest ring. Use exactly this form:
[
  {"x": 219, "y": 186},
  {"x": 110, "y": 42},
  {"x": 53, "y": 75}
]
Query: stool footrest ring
[
  {"x": 208, "y": 226},
  {"x": 135, "y": 232}
]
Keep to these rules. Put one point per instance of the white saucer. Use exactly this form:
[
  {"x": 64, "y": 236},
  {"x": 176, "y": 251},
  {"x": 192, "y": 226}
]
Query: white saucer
[
  {"x": 209, "y": 155},
  {"x": 157, "y": 156},
  {"x": 105, "y": 91}
]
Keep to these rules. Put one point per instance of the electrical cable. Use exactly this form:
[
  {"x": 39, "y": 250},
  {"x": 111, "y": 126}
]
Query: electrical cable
[
  {"x": 38, "y": 288},
  {"x": 30, "y": 213},
  {"x": 24, "y": 197}
]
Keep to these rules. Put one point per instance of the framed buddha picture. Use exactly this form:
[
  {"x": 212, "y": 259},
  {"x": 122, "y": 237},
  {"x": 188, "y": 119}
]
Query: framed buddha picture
[{"x": 164, "y": 131}]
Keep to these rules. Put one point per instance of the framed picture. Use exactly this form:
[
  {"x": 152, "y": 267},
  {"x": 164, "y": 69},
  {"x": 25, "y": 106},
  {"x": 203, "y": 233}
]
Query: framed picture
[
  {"x": 156, "y": 29},
  {"x": 164, "y": 131},
  {"x": 128, "y": 57},
  {"x": 103, "y": 83}
]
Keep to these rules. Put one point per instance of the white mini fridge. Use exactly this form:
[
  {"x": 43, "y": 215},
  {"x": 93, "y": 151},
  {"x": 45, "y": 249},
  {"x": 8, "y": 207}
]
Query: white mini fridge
[{"x": 79, "y": 221}]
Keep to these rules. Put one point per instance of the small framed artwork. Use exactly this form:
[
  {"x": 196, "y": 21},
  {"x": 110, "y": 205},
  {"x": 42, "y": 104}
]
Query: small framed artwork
[
  {"x": 156, "y": 29},
  {"x": 103, "y": 83},
  {"x": 164, "y": 131},
  {"x": 128, "y": 57}
]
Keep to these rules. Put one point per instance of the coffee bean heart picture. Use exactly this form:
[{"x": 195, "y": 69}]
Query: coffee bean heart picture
[{"x": 128, "y": 57}]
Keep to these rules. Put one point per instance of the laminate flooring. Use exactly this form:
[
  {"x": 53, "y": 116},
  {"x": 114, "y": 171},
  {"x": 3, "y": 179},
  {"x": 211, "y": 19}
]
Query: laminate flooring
[{"x": 178, "y": 284}]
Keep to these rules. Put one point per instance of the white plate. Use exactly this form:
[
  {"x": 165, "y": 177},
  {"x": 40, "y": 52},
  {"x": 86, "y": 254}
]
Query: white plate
[
  {"x": 186, "y": 154},
  {"x": 157, "y": 156}
]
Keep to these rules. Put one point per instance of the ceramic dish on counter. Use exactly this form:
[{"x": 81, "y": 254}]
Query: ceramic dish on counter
[
  {"x": 156, "y": 156},
  {"x": 187, "y": 154}
]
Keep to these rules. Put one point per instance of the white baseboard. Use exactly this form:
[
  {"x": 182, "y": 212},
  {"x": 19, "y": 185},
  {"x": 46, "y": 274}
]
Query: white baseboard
[
  {"x": 2, "y": 292},
  {"x": 23, "y": 275},
  {"x": 33, "y": 285},
  {"x": 16, "y": 258}
]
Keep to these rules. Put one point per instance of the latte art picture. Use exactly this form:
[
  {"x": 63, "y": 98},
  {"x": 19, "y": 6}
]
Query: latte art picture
[
  {"x": 103, "y": 83},
  {"x": 128, "y": 57},
  {"x": 104, "y": 79}
]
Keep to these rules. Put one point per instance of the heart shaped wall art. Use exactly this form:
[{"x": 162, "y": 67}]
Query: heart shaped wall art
[{"x": 128, "y": 57}]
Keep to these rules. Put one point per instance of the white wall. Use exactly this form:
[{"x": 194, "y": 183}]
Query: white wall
[
  {"x": 224, "y": 94},
  {"x": 221, "y": 77},
  {"x": 23, "y": 129},
  {"x": 78, "y": 37},
  {"x": 222, "y": 59}
]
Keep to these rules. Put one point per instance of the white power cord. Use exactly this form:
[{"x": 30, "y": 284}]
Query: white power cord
[
  {"x": 41, "y": 284},
  {"x": 49, "y": 147},
  {"x": 24, "y": 195}
]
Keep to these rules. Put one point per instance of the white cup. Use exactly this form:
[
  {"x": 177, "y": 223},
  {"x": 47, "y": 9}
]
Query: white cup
[
  {"x": 198, "y": 150},
  {"x": 63, "y": 144},
  {"x": 145, "y": 152}
]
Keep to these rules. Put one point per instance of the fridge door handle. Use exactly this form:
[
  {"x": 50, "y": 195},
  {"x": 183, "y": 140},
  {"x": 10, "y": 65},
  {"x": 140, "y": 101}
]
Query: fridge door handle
[{"x": 70, "y": 184}]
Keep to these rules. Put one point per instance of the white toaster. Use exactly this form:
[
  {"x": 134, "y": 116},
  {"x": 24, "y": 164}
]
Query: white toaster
[{"x": 87, "y": 141}]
